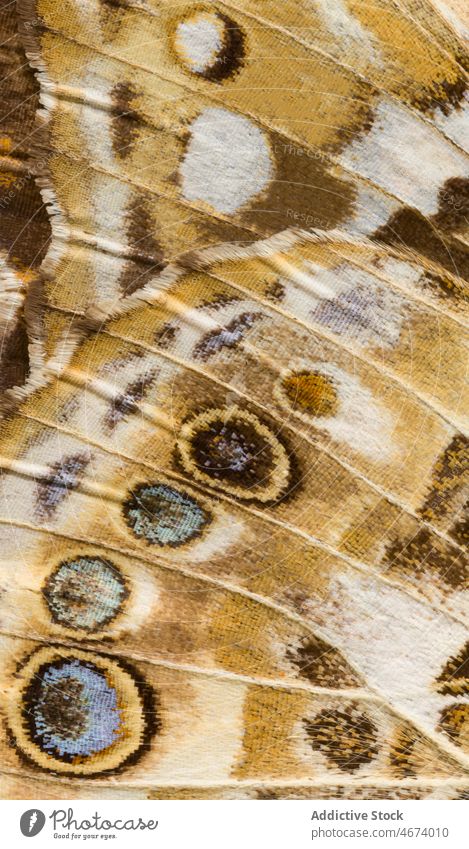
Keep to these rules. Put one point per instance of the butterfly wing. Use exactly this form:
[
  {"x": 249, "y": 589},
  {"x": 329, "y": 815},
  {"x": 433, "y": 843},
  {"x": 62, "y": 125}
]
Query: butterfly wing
[{"x": 232, "y": 497}]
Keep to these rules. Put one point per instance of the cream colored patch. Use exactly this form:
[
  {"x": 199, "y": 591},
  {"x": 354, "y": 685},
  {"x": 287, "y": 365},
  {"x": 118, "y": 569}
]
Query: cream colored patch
[
  {"x": 210, "y": 743},
  {"x": 362, "y": 422},
  {"x": 227, "y": 162},
  {"x": 405, "y": 156}
]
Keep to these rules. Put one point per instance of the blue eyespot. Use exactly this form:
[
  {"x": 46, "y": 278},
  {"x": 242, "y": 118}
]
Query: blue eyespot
[{"x": 164, "y": 516}]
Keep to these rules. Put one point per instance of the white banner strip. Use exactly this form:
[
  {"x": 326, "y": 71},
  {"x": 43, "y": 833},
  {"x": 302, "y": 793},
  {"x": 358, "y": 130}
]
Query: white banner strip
[{"x": 423, "y": 824}]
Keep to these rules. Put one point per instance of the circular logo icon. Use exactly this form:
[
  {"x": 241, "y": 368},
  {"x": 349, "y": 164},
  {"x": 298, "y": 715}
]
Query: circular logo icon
[{"x": 32, "y": 822}]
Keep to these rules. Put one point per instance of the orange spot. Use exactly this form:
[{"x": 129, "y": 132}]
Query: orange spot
[{"x": 311, "y": 392}]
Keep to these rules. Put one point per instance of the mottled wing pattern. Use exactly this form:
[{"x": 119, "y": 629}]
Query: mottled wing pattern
[{"x": 233, "y": 544}]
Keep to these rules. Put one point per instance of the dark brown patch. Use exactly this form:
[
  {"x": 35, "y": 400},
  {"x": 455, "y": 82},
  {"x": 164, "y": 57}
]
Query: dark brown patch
[
  {"x": 322, "y": 665},
  {"x": 408, "y": 228},
  {"x": 454, "y": 722},
  {"x": 303, "y": 192},
  {"x": 54, "y": 487},
  {"x": 218, "y": 302},
  {"x": 445, "y": 96},
  {"x": 147, "y": 258},
  {"x": 14, "y": 356},
  {"x": 347, "y": 737},
  {"x": 124, "y": 119},
  {"x": 425, "y": 553},
  {"x": 460, "y": 530},
  {"x": 450, "y": 481},
  {"x": 400, "y": 755},
  {"x": 25, "y": 231},
  {"x": 228, "y": 336},
  {"x": 454, "y": 679},
  {"x": 230, "y": 60},
  {"x": 453, "y": 204},
  {"x": 126, "y": 403}
]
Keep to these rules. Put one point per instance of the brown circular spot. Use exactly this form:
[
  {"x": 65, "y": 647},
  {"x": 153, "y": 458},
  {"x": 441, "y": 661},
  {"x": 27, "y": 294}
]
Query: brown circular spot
[
  {"x": 311, "y": 392},
  {"x": 233, "y": 449},
  {"x": 347, "y": 738}
]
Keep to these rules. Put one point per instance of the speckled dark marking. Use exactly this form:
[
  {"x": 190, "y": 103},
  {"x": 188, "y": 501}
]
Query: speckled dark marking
[
  {"x": 126, "y": 404},
  {"x": 454, "y": 678},
  {"x": 445, "y": 96},
  {"x": 276, "y": 291},
  {"x": 425, "y": 553},
  {"x": 454, "y": 723},
  {"x": 322, "y": 665},
  {"x": 450, "y": 480},
  {"x": 166, "y": 335},
  {"x": 228, "y": 336},
  {"x": 347, "y": 737},
  {"x": 453, "y": 204},
  {"x": 218, "y": 302},
  {"x": 400, "y": 755},
  {"x": 54, "y": 487}
]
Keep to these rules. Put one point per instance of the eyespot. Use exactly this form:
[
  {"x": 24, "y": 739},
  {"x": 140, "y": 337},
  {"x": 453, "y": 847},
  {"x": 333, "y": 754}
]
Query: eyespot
[
  {"x": 232, "y": 450},
  {"x": 86, "y": 593},
  {"x": 162, "y": 515},
  {"x": 80, "y": 713}
]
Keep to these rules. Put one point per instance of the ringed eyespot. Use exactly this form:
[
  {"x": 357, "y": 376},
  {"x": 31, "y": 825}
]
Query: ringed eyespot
[
  {"x": 79, "y": 713},
  {"x": 232, "y": 450},
  {"x": 85, "y": 593}
]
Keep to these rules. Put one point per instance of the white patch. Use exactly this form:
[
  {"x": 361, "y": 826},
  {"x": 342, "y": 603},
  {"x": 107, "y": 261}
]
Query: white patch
[
  {"x": 361, "y": 421},
  {"x": 347, "y": 29},
  {"x": 399, "y": 644},
  {"x": 406, "y": 157},
  {"x": 227, "y": 161},
  {"x": 199, "y": 42}
]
